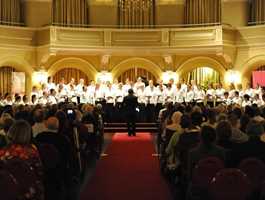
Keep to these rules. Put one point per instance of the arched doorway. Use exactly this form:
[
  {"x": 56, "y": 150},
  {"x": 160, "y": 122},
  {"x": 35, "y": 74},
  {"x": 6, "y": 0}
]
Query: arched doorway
[
  {"x": 204, "y": 69},
  {"x": 12, "y": 81},
  {"x": 203, "y": 76},
  {"x": 133, "y": 73},
  {"x": 72, "y": 67},
  {"x": 136, "y": 67},
  {"x": 68, "y": 74}
]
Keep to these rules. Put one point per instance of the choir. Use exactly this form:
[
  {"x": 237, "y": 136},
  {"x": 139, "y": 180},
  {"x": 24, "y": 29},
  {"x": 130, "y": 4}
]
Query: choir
[{"x": 149, "y": 95}]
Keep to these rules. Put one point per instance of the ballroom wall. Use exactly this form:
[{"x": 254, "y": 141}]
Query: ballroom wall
[{"x": 37, "y": 46}]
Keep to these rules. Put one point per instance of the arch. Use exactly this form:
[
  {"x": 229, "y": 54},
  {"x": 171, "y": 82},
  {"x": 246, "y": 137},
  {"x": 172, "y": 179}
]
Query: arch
[
  {"x": 139, "y": 62},
  {"x": 20, "y": 65},
  {"x": 251, "y": 65},
  {"x": 17, "y": 63},
  {"x": 76, "y": 63},
  {"x": 201, "y": 61}
]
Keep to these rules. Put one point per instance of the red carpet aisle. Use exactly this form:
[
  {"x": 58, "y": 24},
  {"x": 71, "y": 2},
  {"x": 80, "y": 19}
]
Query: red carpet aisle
[{"x": 129, "y": 172}]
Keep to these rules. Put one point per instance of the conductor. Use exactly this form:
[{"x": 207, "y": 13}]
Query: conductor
[{"x": 130, "y": 103}]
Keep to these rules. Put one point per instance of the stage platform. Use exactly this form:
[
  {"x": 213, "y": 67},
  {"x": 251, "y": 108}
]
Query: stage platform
[{"x": 122, "y": 127}]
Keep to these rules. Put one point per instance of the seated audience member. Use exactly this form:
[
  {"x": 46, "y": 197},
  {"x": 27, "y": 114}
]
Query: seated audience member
[
  {"x": 244, "y": 120},
  {"x": 224, "y": 133},
  {"x": 5, "y": 123},
  {"x": 21, "y": 148},
  {"x": 206, "y": 148},
  {"x": 237, "y": 135},
  {"x": 173, "y": 127},
  {"x": 254, "y": 147},
  {"x": 39, "y": 126},
  {"x": 63, "y": 175},
  {"x": 211, "y": 116},
  {"x": 189, "y": 139},
  {"x": 170, "y": 150}
]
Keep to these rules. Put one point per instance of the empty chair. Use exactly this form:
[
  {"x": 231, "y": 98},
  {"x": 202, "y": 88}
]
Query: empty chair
[
  {"x": 202, "y": 175},
  {"x": 255, "y": 170},
  {"x": 230, "y": 184},
  {"x": 205, "y": 170}
]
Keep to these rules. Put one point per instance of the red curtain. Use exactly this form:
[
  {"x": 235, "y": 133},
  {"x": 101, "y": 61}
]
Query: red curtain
[{"x": 258, "y": 77}]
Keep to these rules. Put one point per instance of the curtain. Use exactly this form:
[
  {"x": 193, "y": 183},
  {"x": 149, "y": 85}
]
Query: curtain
[
  {"x": 257, "y": 11},
  {"x": 203, "y": 76},
  {"x": 69, "y": 73},
  {"x": 6, "y": 79},
  {"x": 258, "y": 78},
  {"x": 134, "y": 73},
  {"x": 70, "y": 12},
  {"x": 11, "y": 12},
  {"x": 202, "y": 11},
  {"x": 136, "y": 13}
]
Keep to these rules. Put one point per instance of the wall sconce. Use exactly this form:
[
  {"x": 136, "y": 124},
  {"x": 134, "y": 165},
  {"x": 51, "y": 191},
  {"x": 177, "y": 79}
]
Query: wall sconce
[
  {"x": 166, "y": 76},
  {"x": 103, "y": 77},
  {"x": 232, "y": 76}
]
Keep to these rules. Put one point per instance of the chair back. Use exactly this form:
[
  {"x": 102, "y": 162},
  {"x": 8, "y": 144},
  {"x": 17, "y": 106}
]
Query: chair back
[
  {"x": 230, "y": 184},
  {"x": 49, "y": 155},
  {"x": 255, "y": 170},
  {"x": 205, "y": 170}
]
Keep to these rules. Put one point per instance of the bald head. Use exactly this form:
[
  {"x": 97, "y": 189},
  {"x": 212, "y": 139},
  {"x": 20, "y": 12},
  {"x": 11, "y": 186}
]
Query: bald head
[{"x": 52, "y": 123}]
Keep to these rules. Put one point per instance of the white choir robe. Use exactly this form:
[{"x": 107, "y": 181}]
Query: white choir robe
[
  {"x": 51, "y": 86},
  {"x": 150, "y": 94},
  {"x": 179, "y": 96},
  {"x": 35, "y": 93},
  {"x": 99, "y": 94},
  {"x": 126, "y": 88},
  {"x": 258, "y": 102},
  {"x": 65, "y": 87},
  {"x": 119, "y": 95},
  {"x": 161, "y": 96},
  {"x": 8, "y": 103},
  {"x": 170, "y": 95},
  {"x": 52, "y": 100},
  {"x": 246, "y": 103},
  {"x": 137, "y": 86},
  {"x": 43, "y": 100},
  {"x": 199, "y": 96},
  {"x": 241, "y": 93},
  {"x": 109, "y": 95},
  {"x": 227, "y": 101},
  {"x": 231, "y": 94},
  {"x": 61, "y": 96},
  {"x": 250, "y": 92},
  {"x": 210, "y": 93},
  {"x": 219, "y": 93},
  {"x": 237, "y": 100},
  {"x": 189, "y": 96},
  {"x": 184, "y": 88},
  {"x": 71, "y": 94},
  {"x": 79, "y": 89},
  {"x": 91, "y": 94},
  {"x": 84, "y": 97},
  {"x": 141, "y": 96}
]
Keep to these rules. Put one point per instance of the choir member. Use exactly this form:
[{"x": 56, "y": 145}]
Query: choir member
[
  {"x": 151, "y": 100},
  {"x": 50, "y": 84},
  {"x": 110, "y": 100},
  {"x": 189, "y": 97},
  {"x": 79, "y": 89}
]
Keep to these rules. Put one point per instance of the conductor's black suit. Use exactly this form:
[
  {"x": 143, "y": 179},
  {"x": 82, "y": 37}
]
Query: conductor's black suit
[{"x": 130, "y": 104}]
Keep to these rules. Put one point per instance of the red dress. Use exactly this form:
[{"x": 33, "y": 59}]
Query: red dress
[{"x": 31, "y": 183}]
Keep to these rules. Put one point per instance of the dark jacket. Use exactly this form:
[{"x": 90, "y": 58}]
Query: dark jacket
[{"x": 130, "y": 104}]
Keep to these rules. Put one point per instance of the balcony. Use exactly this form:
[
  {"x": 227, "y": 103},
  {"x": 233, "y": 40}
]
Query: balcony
[{"x": 212, "y": 39}]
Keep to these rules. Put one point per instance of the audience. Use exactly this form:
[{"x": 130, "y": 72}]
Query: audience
[
  {"x": 187, "y": 134},
  {"x": 21, "y": 149}
]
